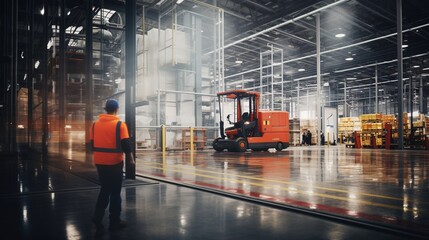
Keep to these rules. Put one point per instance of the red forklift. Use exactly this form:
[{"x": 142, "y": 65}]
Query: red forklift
[{"x": 251, "y": 128}]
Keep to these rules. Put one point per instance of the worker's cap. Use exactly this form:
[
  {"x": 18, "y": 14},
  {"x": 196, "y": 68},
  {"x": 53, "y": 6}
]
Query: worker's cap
[{"x": 111, "y": 105}]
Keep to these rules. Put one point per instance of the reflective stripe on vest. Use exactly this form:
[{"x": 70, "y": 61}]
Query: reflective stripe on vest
[{"x": 118, "y": 148}]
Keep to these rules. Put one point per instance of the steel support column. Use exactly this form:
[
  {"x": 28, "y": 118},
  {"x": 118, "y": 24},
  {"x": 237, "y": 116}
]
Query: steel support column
[
  {"x": 14, "y": 89},
  {"x": 3, "y": 61},
  {"x": 88, "y": 76},
  {"x": 345, "y": 98},
  {"x": 197, "y": 68},
  {"x": 400, "y": 74},
  {"x": 62, "y": 77},
  {"x": 421, "y": 95},
  {"x": 5, "y": 74},
  {"x": 318, "y": 110},
  {"x": 376, "y": 89},
  {"x": 130, "y": 78},
  {"x": 30, "y": 72},
  {"x": 424, "y": 102},
  {"x": 298, "y": 109},
  {"x": 44, "y": 64},
  {"x": 370, "y": 109},
  {"x": 410, "y": 101}
]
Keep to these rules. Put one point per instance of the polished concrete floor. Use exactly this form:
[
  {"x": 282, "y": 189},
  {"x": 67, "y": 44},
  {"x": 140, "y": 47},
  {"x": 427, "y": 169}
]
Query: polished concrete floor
[
  {"x": 385, "y": 187},
  {"x": 55, "y": 199}
]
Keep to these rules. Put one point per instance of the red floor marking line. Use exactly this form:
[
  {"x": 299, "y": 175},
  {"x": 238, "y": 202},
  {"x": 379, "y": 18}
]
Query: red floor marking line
[
  {"x": 326, "y": 208},
  {"x": 315, "y": 207}
]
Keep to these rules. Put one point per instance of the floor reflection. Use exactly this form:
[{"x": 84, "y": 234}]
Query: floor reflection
[{"x": 376, "y": 185}]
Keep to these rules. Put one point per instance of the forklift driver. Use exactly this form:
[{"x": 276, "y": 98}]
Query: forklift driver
[
  {"x": 248, "y": 126},
  {"x": 239, "y": 124}
]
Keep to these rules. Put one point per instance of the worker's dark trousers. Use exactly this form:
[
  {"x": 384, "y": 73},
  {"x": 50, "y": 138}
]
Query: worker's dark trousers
[{"x": 111, "y": 182}]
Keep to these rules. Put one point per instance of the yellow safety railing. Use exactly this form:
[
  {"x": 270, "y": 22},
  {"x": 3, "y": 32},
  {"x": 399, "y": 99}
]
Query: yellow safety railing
[
  {"x": 163, "y": 137},
  {"x": 192, "y": 139}
]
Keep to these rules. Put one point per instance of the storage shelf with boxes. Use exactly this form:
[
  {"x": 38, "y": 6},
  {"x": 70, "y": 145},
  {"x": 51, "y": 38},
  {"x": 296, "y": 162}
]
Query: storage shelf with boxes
[{"x": 346, "y": 127}]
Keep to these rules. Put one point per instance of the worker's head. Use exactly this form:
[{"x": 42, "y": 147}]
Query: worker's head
[{"x": 111, "y": 106}]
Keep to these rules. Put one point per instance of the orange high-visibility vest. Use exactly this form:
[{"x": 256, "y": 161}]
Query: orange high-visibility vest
[{"x": 107, "y": 133}]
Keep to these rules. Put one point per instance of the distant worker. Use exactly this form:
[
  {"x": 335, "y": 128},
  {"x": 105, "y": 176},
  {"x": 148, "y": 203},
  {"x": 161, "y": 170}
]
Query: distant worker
[
  {"x": 304, "y": 138},
  {"x": 110, "y": 139},
  {"x": 322, "y": 139},
  {"x": 309, "y": 137}
]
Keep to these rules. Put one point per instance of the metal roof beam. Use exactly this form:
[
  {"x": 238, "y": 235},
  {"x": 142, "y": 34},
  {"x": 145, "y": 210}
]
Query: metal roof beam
[
  {"x": 262, "y": 7},
  {"x": 285, "y": 23}
]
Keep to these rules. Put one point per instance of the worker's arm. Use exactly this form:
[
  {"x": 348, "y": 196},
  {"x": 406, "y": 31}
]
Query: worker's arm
[{"x": 128, "y": 150}]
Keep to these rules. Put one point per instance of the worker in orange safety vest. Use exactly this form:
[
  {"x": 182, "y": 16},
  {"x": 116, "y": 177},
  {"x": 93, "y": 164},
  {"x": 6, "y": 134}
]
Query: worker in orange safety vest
[{"x": 110, "y": 140}]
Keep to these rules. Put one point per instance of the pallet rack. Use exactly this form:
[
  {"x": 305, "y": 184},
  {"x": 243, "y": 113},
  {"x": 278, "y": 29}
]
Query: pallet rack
[
  {"x": 346, "y": 128},
  {"x": 372, "y": 130}
]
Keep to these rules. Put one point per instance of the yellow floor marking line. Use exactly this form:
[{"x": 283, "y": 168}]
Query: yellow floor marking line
[
  {"x": 284, "y": 182},
  {"x": 299, "y": 191}
]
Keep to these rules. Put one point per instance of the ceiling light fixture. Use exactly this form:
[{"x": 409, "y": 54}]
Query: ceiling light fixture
[
  {"x": 49, "y": 45},
  {"x": 416, "y": 66},
  {"x": 160, "y": 2},
  {"x": 349, "y": 59},
  {"x": 238, "y": 61},
  {"x": 340, "y": 35},
  {"x": 301, "y": 70},
  {"x": 404, "y": 45}
]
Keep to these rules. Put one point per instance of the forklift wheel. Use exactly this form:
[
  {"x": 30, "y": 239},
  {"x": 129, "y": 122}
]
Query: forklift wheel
[
  {"x": 215, "y": 147},
  {"x": 218, "y": 149},
  {"x": 241, "y": 145},
  {"x": 279, "y": 146}
]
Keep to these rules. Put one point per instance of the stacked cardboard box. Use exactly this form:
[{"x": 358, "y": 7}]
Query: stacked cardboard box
[
  {"x": 347, "y": 126},
  {"x": 372, "y": 125}
]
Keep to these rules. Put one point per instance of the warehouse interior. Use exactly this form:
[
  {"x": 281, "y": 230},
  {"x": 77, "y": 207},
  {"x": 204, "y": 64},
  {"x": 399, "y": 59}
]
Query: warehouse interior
[
  {"x": 354, "y": 73},
  {"x": 195, "y": 49}
]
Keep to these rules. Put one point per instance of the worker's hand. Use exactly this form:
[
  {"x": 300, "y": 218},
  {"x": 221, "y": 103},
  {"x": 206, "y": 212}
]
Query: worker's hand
[{"x": 130, "y": 158}]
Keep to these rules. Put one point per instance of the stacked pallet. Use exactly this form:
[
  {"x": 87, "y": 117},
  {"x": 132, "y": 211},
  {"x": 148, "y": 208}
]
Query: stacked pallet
[
  {"x": 372, "y": 125},
  {"x": 294, "y": 132},
  {"x": 347, "y": 126}
]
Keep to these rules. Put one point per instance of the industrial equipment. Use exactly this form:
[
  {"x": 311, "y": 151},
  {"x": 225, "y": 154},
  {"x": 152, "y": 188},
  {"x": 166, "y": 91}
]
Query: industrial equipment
[{"x": 251, "y": 127}]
